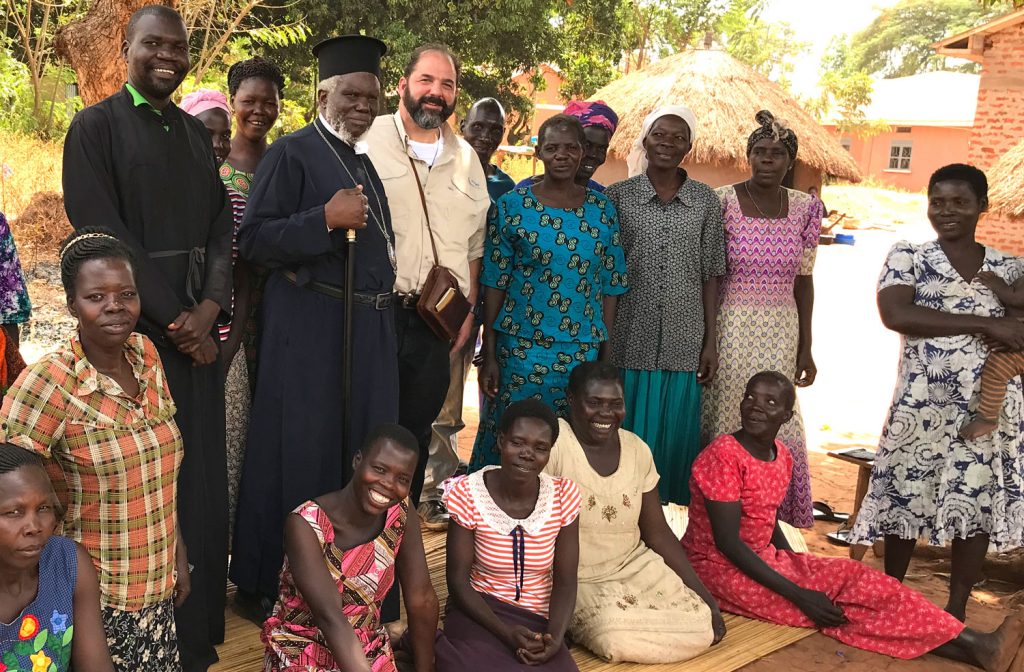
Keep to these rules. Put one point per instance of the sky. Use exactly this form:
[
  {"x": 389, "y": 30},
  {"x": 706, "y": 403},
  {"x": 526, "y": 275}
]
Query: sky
[{"x": 816, "y": 22}]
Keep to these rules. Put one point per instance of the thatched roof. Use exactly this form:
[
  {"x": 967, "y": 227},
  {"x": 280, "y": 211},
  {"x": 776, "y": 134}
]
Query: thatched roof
[
  {"x": 1006, "y": 183},
  {"x": 725, "y": 95}
]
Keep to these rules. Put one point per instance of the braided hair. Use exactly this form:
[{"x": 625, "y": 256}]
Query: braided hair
[
  {"x": 255, "y": 67},
  {"x": 86, "y": 244},
  {"x": 14, "y": 457}
]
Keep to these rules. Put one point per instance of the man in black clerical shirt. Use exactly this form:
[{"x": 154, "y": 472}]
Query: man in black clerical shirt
[
  {"x": 136, "y": 164},
  {"x": 310, "y": 187}
]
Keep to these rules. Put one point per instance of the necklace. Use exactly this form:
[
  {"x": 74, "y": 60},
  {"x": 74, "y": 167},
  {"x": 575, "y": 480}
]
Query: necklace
[
  {"x": 779, "y": 212},
  {"x": 378, "y": 217}
]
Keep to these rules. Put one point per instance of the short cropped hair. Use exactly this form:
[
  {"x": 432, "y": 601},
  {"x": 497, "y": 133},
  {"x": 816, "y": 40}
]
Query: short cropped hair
[{"x": 961, "y": 172}]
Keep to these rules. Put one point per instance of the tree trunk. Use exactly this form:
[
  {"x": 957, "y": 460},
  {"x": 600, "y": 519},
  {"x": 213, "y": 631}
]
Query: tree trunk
[{"x": 92, "y": 46}]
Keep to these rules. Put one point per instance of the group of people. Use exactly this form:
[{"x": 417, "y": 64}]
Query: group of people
[{"x": 640, "y": 345}]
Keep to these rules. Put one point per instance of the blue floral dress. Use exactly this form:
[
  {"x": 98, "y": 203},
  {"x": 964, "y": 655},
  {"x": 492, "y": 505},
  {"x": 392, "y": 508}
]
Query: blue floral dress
[
  {"x": 927, "y": 481},
  {"x": 40, "y": 637},
  {"x": 555, "y": 266}
]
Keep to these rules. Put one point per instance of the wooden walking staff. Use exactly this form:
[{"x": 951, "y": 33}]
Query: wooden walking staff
[{"x": 350, "y": 284}]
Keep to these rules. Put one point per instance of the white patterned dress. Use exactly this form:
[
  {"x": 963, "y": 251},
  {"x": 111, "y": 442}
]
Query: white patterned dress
[{"x": 927, "y": 482}]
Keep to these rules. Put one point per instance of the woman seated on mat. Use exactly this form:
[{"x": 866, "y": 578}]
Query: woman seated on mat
[
  {"x": 342, "y": 555},
  {"x": 513, "y": 553},
  {"x": 736, "y": 546},
  {"x": 638, "y": 597},
  {"x": 48, "y": 586}
]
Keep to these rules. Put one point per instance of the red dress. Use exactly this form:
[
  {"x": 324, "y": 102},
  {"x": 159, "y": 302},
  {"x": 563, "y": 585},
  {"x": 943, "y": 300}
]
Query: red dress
[{"x": 884, "y": 615}]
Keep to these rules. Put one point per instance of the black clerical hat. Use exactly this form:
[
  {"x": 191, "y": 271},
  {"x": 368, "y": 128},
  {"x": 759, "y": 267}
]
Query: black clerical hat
[{"x": 349, "y": 53}]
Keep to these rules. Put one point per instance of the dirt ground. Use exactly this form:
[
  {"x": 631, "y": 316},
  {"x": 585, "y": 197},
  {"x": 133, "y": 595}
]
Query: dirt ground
[{"x": 856, "y": 359}]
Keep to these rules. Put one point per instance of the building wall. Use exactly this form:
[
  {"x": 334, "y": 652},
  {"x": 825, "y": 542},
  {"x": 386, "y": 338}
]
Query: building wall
[
  {"x": 804, "y": 177},
  {"x": 931, "y": 148},
  {"x": 548, "y": 102},
  {"x": 1002, "y": 233},
  {"x": 999, "y": 123}
]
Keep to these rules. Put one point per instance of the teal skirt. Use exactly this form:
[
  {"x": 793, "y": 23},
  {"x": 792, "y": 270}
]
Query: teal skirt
[
  {"x": 663, "y": 409},
  {"x": 526, "y": 369}
]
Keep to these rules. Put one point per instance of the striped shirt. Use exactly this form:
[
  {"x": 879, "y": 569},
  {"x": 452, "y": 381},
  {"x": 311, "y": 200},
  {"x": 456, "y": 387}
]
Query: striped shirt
[
  {"x": 496, "y": 535},
  {"x": 237, "y": 183},
  {"x": 113, "y": 460}
]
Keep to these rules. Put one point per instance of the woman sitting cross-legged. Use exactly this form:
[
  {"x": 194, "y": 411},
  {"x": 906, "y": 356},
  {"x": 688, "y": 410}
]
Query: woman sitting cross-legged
[
  {"x": 513, "y": 553},
  {"x": 49, "y": 595},
  {"x": 736, "y": 546},
  {"x": 638, "y": 597},
  {"x": 343, "y": 550}
]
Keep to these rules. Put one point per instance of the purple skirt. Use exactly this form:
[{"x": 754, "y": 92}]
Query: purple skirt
[{"x": 465, "y": 644}]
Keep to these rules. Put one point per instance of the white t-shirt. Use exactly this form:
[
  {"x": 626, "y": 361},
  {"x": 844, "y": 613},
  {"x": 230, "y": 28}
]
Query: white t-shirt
[{"x": 427, "y": 152}]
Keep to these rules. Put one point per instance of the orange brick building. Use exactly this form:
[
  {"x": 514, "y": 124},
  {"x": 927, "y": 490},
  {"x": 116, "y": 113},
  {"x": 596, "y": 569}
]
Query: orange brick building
[{"x": 999, "y": 118}]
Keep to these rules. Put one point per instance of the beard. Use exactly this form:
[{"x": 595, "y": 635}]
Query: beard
[
  {"x": 427, "y": 119},
  {"x": 337, "y": 122}
]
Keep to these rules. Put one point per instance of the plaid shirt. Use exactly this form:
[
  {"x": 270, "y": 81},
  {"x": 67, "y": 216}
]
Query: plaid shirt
[{"x": 113, "y": 460}]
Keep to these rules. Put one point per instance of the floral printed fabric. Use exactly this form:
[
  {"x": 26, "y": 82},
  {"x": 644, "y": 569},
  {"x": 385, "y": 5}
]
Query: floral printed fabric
[
  {"x": 554, "y": 265},
  {"x": 882, "y": 614},
  {"x": 15, "y": 306},
  {"x": 927, "y": 481},
  {"x": 142, "y": 641},
  {"x": 39, "y": 639}
]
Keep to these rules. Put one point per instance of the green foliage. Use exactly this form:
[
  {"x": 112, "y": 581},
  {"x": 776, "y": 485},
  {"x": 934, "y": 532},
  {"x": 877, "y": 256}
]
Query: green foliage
[
  {"x": 18, "y": 99},
  {"x": 768, "y": 48},
  {"x": 495, "y": 40},
  {"x": 898, "y": 42}
]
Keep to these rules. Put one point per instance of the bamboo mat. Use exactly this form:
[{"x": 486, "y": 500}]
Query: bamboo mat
[{"x": 745, "y": 642}]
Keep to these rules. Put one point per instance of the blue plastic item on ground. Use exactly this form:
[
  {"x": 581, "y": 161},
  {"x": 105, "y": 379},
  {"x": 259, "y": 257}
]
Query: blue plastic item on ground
[{"x": 844, "y": 239}]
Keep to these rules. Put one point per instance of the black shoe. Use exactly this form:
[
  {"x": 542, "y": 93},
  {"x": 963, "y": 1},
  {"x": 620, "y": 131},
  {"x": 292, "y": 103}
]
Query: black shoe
[
  {"x": 253, "y": 606},
  {"x": 433, "y": 515}
]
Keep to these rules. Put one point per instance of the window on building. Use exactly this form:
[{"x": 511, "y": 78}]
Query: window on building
[
  {"x": 903, "y": 129},
  {"x": 899, "y": 156}
]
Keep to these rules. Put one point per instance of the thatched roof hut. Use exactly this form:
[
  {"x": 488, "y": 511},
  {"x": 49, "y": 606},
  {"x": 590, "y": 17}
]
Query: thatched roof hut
[
  {"x": 1006, "y": 184},
  {"x": 725, "y": 95}
]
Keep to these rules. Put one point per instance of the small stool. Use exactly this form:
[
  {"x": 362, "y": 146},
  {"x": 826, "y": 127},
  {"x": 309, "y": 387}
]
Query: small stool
[{"x": 863, "y": 479}]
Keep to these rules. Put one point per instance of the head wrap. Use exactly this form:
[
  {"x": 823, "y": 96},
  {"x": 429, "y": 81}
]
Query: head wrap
[
  {"x": 594, "y": 113},
  {"x": 771, "y": 129},
  {"x": 636, "y": 162},
  {"x": 201, "y": 100}
]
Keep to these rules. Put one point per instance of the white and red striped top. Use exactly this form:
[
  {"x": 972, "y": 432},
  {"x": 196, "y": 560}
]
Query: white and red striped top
[{"x": 500, "y": 539}]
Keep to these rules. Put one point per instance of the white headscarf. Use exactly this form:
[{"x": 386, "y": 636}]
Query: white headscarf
[{"x": 636, "y": 162}]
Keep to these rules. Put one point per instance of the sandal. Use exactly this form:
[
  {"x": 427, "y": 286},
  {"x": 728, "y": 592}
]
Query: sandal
[{"x": 824, "y": 513}]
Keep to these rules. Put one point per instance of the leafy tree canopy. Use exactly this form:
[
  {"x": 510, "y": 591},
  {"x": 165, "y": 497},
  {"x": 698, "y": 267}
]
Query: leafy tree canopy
[{"x": 898, "y": 42}]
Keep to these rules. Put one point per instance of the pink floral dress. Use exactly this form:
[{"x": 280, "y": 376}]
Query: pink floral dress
[
  {"x": 884, "y": 615},
  {"x": 363, "y": 575},
  {"x": 758, "y": 327}
]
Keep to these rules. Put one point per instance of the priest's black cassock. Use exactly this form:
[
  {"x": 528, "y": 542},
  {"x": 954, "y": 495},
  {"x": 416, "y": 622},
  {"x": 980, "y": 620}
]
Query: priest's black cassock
[
  {"x": 296, "y": 449},
  {"x": 152, "y": 179}
]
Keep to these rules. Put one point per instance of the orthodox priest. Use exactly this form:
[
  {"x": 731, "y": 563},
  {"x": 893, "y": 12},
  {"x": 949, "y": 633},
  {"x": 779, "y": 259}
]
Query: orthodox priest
[
  {"x": 310, "y": 187},
  {"x": 139, "y": 166}
]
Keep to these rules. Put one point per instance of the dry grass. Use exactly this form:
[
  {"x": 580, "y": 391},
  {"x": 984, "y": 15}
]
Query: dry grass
[
  {"x": 724, "y": 95},
  {"x": 1006, "y": 183},
  {"x": 30, "y": 195}
]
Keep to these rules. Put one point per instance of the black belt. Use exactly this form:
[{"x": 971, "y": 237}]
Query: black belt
[
  {"x": 407, "y": 301},
  {"x": 380, "y": 301}
]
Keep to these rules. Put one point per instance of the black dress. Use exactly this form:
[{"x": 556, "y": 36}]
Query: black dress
[
  {"x": 296, "y": 449},
  {"x": 152, "y": 180}
]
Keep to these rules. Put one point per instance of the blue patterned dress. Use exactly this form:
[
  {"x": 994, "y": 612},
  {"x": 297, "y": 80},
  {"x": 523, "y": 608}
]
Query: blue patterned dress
[
  {"x": 927, "y": 482},
  {"x": 555, "y": 266},
  {"x": 40, "y": 638}
]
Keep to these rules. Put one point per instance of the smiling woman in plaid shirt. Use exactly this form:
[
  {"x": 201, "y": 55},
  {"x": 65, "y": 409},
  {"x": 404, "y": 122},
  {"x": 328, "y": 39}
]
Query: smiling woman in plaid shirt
[{"x": 100, "y": 412}]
